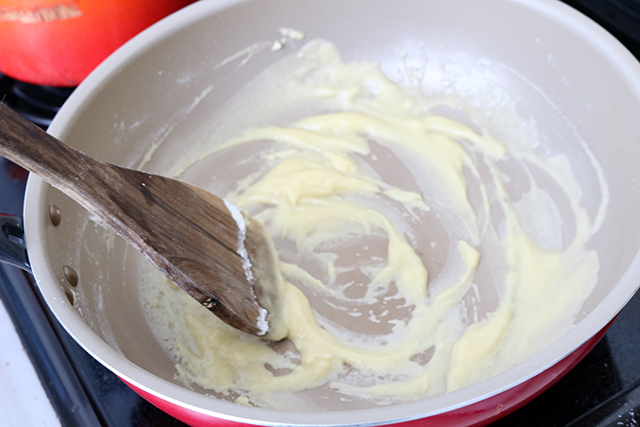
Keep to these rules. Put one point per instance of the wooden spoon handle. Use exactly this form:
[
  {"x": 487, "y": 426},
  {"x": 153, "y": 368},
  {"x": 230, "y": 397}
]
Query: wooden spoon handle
[
  {"x": 187, "y": 233},
  {"x": 99, "y": 187},
  {"x": 42, "y": 154}
]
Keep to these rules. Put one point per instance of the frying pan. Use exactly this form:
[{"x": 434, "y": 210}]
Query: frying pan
[{"x": 153, "y": 99}]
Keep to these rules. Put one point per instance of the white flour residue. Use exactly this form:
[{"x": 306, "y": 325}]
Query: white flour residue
[
  {"x": 161, "y": 136},
  {"x": 242, "y": 235},
  {"x": 292, "y": 33}
]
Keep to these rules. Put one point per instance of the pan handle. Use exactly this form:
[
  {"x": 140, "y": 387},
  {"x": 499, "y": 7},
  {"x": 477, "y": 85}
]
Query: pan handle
[{"x": 13, "y": 249}]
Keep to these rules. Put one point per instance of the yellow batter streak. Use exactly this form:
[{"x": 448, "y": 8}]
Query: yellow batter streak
[{"x": 361, "y": 196}]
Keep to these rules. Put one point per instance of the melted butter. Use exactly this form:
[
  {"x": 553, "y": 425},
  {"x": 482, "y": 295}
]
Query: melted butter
[{"x": 356, "y": 245}]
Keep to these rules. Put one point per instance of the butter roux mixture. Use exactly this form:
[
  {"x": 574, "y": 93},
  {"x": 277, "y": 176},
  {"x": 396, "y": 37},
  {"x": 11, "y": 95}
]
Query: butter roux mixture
[{"x": 408, "y": 267}]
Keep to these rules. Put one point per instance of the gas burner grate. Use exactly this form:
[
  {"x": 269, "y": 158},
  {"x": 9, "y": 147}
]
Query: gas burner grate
[{"x": 37, "y": 103}]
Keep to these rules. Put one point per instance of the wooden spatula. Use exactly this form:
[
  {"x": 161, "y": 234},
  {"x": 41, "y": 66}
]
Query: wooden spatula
[{"x": 221, "y": 257}]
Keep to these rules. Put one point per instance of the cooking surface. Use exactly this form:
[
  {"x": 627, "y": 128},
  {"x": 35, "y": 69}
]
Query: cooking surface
[{"x": 603, "y": 390}]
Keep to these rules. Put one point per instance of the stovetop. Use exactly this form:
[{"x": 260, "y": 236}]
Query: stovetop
[{"x": 602, "y": 390}]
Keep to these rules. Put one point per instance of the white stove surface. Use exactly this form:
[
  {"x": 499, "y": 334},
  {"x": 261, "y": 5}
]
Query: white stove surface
[{"x": 23, "y": 401}]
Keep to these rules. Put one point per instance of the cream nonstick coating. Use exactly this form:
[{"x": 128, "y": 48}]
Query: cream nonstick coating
[{"x": 420, "y": 254}]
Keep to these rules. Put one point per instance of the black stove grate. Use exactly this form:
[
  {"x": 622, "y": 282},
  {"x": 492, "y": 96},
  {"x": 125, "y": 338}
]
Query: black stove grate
[{"x": 37, "y": 103}]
